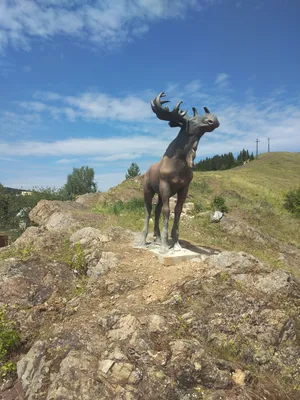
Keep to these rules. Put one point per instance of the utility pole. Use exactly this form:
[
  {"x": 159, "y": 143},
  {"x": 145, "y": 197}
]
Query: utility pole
[
  {"x": 257, "y": 141},
  {"x": 268, "y": 145}
]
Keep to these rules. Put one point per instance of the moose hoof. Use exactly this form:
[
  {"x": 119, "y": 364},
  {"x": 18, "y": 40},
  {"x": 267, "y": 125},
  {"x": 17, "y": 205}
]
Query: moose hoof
[
  {"x": 157, "y": 240},
  {"x": 176, "y": 247}
]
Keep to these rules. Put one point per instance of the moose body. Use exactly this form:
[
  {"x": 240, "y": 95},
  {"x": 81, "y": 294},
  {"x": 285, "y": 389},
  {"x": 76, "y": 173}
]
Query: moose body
[{"x": 173, "y": 174}]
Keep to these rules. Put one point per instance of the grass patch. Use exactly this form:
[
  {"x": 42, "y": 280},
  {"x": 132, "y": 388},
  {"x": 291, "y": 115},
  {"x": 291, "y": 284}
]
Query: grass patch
[
  {"x": 127, "y": 214},
  {"x": 73, "y": 256},
  {"x": 23, "y": 253},
  {"x": 9, "y": 342}
]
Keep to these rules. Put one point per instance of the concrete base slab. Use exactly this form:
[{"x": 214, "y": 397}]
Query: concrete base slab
[{"x": 176, "y": 255}]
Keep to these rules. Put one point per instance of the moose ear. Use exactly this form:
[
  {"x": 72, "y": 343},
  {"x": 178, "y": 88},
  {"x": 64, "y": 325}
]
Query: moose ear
[{"x": 206, "y": 110}]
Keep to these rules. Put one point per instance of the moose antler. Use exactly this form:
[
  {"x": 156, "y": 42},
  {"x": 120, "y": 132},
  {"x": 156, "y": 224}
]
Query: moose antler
[{"x": 176, "y": 116}]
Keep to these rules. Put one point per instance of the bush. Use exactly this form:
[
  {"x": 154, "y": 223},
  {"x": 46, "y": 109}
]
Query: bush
[
  {"x": 292, "y": 202},
  {"x": 134, "y": 204},
  {"x": 9, "y": 341},
  {"x": 218, "y": 204},
  {"x": 116, "y": 208},
  {"x": 198, "y": 206}
]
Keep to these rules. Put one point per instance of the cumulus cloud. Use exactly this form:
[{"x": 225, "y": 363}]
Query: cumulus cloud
[
  {"x": 276, "y": 116},
  {"x": 101, "y": 22},
  {"x": 144, "y": 136},
  {"x": 91, "y": 106},
  {"x": 100, "y": 147}
]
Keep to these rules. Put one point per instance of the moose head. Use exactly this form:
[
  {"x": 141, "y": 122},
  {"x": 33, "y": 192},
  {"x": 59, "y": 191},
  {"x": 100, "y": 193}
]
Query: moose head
[{"x": 195, "y": 125}]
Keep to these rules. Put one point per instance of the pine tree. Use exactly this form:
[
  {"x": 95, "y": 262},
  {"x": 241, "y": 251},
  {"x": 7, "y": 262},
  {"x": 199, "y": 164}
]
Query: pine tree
[{"x": 133, "y": 171}]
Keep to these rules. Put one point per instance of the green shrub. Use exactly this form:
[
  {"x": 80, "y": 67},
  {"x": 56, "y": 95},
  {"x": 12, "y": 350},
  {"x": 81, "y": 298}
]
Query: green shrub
[
  {"x": 78, "y": 261},
  {"x": 116, "y": 208},
  {"x": 198, "y": 206},
  {"x": 292, "y": 202},
  {"x": 9, "y": 341},
  {"x": 218, "y": 204},
  {"x": 134, "y": 204}
]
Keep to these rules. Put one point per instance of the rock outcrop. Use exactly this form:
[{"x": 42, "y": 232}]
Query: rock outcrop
[{"x": 226, "y": 327}]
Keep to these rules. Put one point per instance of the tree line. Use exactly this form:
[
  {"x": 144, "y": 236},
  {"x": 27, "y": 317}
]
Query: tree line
[{"x": 224, "y": 161}]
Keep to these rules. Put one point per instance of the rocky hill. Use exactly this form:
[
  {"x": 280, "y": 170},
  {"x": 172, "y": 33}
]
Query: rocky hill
[{"x": 99, "y": 319}]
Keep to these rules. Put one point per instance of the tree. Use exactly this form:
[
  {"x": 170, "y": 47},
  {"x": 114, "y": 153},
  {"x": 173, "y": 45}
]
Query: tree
[
  {"x": 133, "y": 171},
  {"x": 81, "y": 181}
]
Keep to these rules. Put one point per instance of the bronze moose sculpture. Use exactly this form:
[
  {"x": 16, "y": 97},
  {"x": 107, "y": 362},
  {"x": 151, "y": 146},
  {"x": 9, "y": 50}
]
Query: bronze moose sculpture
[{"x": 173, "y": 174}]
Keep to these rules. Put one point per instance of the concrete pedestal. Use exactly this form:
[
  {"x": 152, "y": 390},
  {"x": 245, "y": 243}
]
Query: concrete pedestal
[{"x": 175, "y": 256}]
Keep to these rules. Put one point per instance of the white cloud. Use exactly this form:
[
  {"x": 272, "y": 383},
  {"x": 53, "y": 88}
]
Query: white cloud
[
  {"x": 117, "y": 157},
  {"x": 222, "y": 80},
  {"x": 96, "y": 147},
  {"x": 91, "y": 106},
  {"x": 16, "y": 124},
  {"x": 192, "y": 87},
  {"x": 104, "y": 23},
  {"x": 102, "y": 106},
  {"x": 147, "y": 138},
  {"x": 67, "y": 161}
]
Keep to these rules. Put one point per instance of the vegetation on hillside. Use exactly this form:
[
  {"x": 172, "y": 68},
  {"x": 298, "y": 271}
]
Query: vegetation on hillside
[
  {"x": 224, "y": 308},
  {"x": 9, "y": 341},
  {"x": 292, "y": 201},
  {"x": 133, "y": 171},
  {"x": 254, "y": 194},
  {"x": 224, "y": 161},
  {"x": 80, "y": 181},
  {"x": 15, "y": 207}
]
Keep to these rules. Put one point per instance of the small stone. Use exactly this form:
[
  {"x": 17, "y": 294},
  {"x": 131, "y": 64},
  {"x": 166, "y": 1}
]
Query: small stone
[
  {"x": 105, "y": 365},
  {"x": 217, "y": 216},
  {"x": 135, "y": 377},
  {"x": 157, "y": 323},
  {"x": 121, "y": 371}
]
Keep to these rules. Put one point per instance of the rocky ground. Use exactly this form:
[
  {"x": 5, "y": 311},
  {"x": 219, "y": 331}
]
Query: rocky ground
[{"x": 223, "y": 327}]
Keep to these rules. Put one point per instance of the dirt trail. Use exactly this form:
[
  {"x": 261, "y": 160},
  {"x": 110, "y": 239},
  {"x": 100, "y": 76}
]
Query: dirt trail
[{"x": 154, "y": 280}]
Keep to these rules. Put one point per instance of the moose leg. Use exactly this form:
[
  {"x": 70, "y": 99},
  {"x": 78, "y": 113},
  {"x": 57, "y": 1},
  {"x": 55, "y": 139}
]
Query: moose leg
[
  {"x": 148, "y": 196},
  {"x": 157, "y": 216},
  {"x": 165, "y": 191},
  {"x": 181, "y": 196}
]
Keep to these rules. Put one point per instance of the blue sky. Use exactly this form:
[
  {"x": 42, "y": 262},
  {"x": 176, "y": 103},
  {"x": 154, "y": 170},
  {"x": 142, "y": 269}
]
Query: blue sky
[{"x": 77, "y": 77}]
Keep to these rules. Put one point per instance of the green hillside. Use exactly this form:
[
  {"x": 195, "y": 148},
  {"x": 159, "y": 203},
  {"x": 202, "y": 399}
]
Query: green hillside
[{"x": 254, "y": 194}]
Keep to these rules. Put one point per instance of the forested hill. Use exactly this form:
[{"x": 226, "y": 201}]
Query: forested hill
[{"x": 224, "y": 161}]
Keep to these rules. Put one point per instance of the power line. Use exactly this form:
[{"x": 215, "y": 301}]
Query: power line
[{"x": 257, "y": 141}]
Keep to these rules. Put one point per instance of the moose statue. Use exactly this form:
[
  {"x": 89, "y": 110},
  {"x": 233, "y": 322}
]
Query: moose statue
[{"x": 173, "y": 173}]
